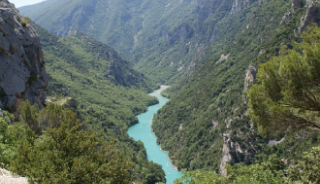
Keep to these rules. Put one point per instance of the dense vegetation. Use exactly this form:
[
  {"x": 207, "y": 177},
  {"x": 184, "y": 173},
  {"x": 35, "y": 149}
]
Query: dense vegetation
[
  {"x": 166, "y": 39},
  {"x": 103, "y": 89},
  {"x": 212, "y": 52},
  {"x": 137, "y": 30},
  {"x": 210, "y": 108},
  {"x": 271, "y": 171},
  {"x": 51, "y": 146},
  {"x": 290, "y": 76},
  {"x": 286, "y": 97},
  {"x": 80, "y": 68}
]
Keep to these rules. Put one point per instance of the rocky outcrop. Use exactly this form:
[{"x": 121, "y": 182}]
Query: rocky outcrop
[
  {"x": 6, "y": 177},
  {"x": 239, "y": 5},
  {"x": 250, "y": 76},
  {"x": 22, "y": 71},
  {"x": 312, "y": 15}
]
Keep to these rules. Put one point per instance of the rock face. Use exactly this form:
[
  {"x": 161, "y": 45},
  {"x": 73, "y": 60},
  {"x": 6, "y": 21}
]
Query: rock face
[
  {"x": 22, "y": 71},
  {"x": 312, "y": 15},
  {"x": 250, "y": 76},
  {"x": 6, "y": 177},
  {"x": 239, "y": 5}
]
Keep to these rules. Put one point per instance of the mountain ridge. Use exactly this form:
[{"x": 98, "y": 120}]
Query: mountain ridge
[{"x": 164, "y": 39}]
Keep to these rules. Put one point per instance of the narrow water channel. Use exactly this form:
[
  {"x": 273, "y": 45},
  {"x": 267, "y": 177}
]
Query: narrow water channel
[{"x": 143, "y": 132}]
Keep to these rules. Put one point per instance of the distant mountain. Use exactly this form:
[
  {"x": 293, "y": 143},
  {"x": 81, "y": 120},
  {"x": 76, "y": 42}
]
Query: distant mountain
[{"x": 166, "y": 39}]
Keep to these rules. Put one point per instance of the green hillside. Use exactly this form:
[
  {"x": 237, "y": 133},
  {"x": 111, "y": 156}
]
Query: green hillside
[
  {"x": 205, "y": 125},
  {"x": 135, "y": 29},
  {"x": 166, "y": 40},
  {"x": 208, "y": 50},
  {"x": 85, "y": 76}
]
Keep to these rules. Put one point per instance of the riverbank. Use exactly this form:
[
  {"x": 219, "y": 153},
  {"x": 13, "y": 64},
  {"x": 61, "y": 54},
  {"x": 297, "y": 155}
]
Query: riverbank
[
  {"x": 162, "y": 88},
  {"x": 175, "y": 167}
]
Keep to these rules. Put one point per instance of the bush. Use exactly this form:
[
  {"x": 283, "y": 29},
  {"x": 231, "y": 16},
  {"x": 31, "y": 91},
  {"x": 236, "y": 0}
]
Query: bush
[
  {"x": 63, "y": 151},
  {"x": 25, "y": 21}
]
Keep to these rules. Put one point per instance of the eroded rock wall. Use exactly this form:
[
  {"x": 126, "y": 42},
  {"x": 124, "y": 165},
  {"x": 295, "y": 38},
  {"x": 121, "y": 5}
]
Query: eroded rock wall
[{"x": 22, "y": 71}]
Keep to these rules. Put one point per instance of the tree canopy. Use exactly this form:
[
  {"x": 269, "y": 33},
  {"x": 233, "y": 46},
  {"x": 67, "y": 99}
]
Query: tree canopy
[
  {"x": 52, "y": 146},
  {"x": 287, "y": 95}
]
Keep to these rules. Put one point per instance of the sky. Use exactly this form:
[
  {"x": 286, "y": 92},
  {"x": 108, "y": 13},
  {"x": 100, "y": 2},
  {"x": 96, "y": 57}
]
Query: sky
[{"x": 20, "y": 3}]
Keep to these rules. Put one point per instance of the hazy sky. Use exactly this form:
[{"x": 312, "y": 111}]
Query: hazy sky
[{"x": 20, "y": 3}]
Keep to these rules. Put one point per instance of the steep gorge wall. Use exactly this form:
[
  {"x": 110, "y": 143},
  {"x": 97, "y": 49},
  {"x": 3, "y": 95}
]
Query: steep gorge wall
[
  {"x": 22, "y": 71},
  {"x": 165, "y": 39},
  {"x": 205, "y": 125}
]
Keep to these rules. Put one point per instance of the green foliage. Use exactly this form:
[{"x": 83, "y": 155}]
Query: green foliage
[
  {"x": 79, "y": 70},
  {"x": 307, "y": 170},
  {"x": 63, "y": 153},
  {"x": 255, "y": 174},
  {"x": 212, "y": 97},
  {"x": 69, "y": 154},
  {"x": 84, "y": 76},
  {"x": 5, "y": 138},
  {"x": 213, "y": 102},
  {"x": 240, "y": 174},
  {"x": 203, "y": 177},
  {"x": 50, "y": 117},
  {"x": 25, "y": 21},
  {"x": 133, "y": 28},
  {"x": 272, "y": 171},
  {"x": 154, "y": 174},
  {"x": 28, "y": 115},
  {"x": 286, "y": 97}
]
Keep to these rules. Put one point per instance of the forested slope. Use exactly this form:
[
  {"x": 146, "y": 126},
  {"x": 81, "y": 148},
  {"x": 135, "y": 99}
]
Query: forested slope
[
  {"x": 210, "y": 51},
  {"x": 77, "y": 133},
  {"x": 205, "y": 125},
  {"x": 103, "y": 89},
  {"x": 165, "y": 39},
  {"x": 135, "y": 29},
  {"x": 284, "y": 100}
]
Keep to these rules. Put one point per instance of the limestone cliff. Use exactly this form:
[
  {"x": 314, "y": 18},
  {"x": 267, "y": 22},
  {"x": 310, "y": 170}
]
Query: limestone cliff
[
  {"x": 239, "y": 5},
  {"x": 22, "y": 71},
  {"x": 312, "y": 14}
]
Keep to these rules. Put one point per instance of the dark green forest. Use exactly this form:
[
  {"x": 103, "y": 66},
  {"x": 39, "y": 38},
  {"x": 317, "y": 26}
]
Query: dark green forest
[
  {"x": 212, "y": 105},
  {"x": 281, "y": 102}
]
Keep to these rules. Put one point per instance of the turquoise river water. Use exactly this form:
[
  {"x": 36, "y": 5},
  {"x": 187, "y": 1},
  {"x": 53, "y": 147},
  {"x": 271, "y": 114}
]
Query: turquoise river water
[{"x": 143, "y": 132}]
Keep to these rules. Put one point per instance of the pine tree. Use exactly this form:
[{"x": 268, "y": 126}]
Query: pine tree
[{"x": 287, "y": 95}]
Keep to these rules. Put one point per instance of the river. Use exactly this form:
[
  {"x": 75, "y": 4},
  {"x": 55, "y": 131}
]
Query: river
[{"x": 143, "y": 132}]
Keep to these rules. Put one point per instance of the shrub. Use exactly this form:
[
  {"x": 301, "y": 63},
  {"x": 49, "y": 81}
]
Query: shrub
[{"x": 25, "y": 21}]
